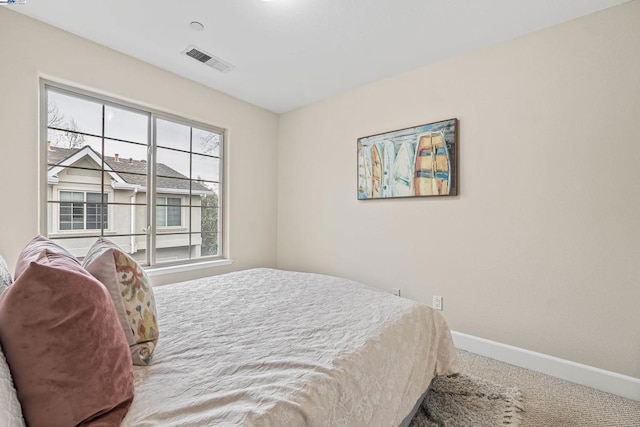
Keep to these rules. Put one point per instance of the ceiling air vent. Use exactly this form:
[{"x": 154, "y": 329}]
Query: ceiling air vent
[{"x": 208, "y": 59}]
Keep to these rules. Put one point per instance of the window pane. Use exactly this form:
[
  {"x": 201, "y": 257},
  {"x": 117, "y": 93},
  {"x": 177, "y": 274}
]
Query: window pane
[
  {"x": 203, "y": 188},
  {"x": 77, "y": 246},
  {"x": 65, "y": 211},
  {"x": 125, "y": 124},
  {"x": 172, "y": 185},
  {"x": 161, "y": 211},
  {"x": 173, "y": 135},
  {"x": 204, "y": 219},
  {"x": 97, "y": 214},
  {"x": 205, "y": 142},
  {"x": 140, "y": 257},
  {"x": 65, "y": 214},
  {"x": 128, "y": 219},
  {"x": 161, "y": 216},
  {"x": 93, "y": 219},
  {"x": 129, "y": 228},
  {"x": 94, "y": 197},
  {"x": 77, "y": 218},
  {"x": 65, "y": 218},
  {"x": 59, "y": 217},
  {"x": 72, "y": 113},
  {"x": 71, "y": 142},
  {"x": 174, "y": 216},
  {"x": 64, "y": 148},
  {"x": 127, "y": 154},
  {"x": 205, "y": 168},
  {"x": 208, "y": 242},
  {"x": 128, "y": 160},
  {"x": 71, "y": 177},
  {"x": 71, "y": 196},
  {"x": 93, "y": 223},
  {"x": 174, "y": 212},
  {"x": 103, "y": 214},
  {"x": 172, "y": 163},
  {"x": 172, "y": 248},
  {"x": 169, "y": 212}
]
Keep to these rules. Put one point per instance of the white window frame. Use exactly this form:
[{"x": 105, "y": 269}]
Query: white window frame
[{"x": 152, "y": 229}]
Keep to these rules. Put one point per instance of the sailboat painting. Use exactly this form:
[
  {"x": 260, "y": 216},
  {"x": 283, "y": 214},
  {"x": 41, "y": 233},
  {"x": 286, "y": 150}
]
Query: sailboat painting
[{"x": 412, "y": 162}]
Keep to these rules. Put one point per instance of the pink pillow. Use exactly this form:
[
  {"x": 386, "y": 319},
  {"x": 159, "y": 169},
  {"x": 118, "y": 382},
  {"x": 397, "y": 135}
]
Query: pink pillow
[
  {"x": 32, "y": 252},
  {"x": 68, "y": 355}
]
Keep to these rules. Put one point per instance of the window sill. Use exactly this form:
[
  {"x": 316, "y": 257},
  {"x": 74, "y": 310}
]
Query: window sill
[{"x": 170, "y": 269}]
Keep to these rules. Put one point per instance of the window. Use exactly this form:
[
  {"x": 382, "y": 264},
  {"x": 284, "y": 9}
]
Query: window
[
  {"x": 168, "y": 212},
  {"x": 74, "y": 216},
  {"x": 148, "y": 181}
]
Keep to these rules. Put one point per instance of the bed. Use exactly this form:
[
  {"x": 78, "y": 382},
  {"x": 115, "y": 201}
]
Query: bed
[{"x": 265, "y": 347}]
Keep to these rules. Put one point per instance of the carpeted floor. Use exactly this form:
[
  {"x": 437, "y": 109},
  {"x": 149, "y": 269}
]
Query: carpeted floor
[{"x": 551, "y": 402}]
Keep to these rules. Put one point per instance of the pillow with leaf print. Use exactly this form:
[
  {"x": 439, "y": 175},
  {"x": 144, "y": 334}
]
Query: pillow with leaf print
[{"x": 132, "y": 294}]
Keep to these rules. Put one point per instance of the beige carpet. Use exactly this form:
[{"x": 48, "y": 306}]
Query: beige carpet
[{"x": 551, "y": 402}]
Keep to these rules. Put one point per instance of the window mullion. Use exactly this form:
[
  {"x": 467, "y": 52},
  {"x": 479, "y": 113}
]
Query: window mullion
[
  {"x": 151, "y": 192},
  {"x": 102, "y": 189},
  {"x": 190, "y": 185}
]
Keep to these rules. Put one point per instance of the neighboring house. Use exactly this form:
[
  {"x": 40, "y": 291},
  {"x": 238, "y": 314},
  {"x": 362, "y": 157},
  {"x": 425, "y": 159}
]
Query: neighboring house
[{"x": 76, "y": 215}]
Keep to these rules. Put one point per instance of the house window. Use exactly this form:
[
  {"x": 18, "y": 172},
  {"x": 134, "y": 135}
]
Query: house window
[
  {"x": 83, "y": 211},
  {"x": 148, "y": 181},
  {"x": 168, "y": 212}
]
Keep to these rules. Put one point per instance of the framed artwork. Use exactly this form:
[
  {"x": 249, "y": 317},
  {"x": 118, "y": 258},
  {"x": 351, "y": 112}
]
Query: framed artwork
[{"x": 413, "y": 162}]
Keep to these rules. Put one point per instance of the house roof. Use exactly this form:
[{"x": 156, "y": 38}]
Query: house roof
[{"x": 130, "y": 171}]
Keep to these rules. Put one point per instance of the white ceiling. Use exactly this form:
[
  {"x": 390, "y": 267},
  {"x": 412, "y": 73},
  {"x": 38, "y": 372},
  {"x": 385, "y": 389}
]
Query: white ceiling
[{"x": 290, "y": 53}]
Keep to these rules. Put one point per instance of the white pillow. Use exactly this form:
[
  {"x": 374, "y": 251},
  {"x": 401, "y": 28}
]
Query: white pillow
[
  {"x": 5, "y": 276},
  {"x": 10, "y": 410}
]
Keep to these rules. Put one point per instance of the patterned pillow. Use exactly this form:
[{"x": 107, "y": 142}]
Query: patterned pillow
[
  {"x": 131, "y": 291},
  {"x": 5, "y": 276}
]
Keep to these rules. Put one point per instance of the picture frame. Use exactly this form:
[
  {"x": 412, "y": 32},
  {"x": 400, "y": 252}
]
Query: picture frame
[{"x": 418, "y": 161}]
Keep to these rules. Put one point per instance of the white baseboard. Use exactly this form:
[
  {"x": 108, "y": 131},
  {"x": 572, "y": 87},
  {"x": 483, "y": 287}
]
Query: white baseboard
[{"x": 608, "y": 381}]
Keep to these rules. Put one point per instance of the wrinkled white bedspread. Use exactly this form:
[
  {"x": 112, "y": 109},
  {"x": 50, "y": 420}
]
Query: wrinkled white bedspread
[{"x": 266, "y": 347}]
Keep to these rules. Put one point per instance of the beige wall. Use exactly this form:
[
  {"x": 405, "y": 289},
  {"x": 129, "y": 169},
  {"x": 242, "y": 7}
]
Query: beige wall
[
  {"x": 30, "y": 49},
  {"x": 541, "y": 249}
]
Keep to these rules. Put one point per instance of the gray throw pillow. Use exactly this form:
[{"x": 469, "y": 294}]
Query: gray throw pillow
[{"x": 5, "y": 276}]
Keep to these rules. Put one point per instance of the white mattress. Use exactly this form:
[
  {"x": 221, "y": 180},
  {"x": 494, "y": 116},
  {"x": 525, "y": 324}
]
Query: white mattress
[{"x": 266, "y": 347}]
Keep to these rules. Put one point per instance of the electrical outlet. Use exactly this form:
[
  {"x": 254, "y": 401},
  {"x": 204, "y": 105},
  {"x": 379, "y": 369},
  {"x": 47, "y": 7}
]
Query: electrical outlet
[
  {"x": 437, "y": 302},
  {"x": 396, "y": 291}
]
